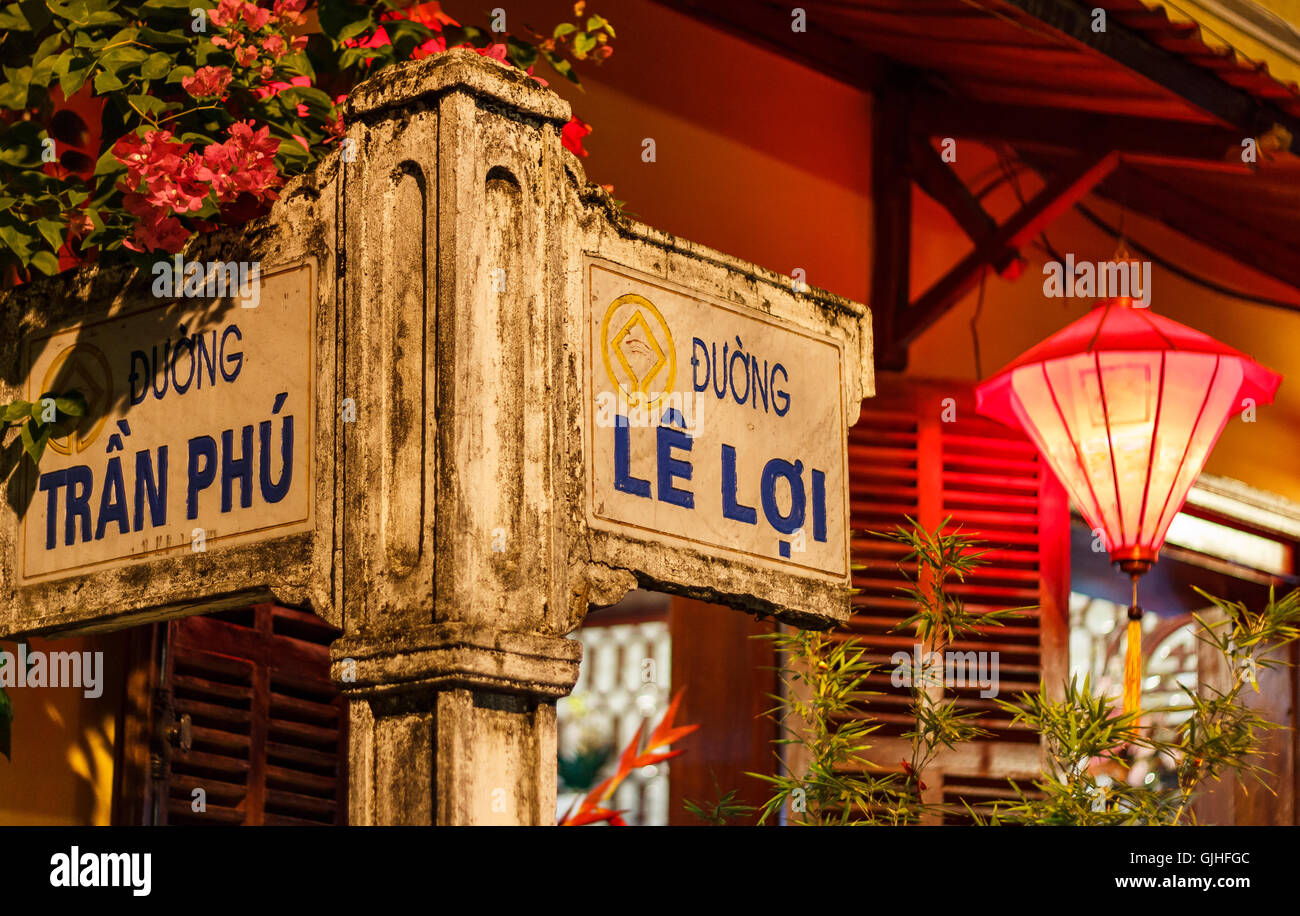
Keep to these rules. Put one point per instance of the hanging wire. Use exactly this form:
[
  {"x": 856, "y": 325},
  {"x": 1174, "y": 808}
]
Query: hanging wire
[{"x": 974, "y": 329}]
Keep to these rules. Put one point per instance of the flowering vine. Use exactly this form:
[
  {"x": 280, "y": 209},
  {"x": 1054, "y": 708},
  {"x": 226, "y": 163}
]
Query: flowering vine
[{"x": 127, "y": 126}]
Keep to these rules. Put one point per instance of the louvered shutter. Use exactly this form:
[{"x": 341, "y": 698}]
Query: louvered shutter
[
  {"x": 906, "y": 460},
  {"x": 268, "y": 724}
]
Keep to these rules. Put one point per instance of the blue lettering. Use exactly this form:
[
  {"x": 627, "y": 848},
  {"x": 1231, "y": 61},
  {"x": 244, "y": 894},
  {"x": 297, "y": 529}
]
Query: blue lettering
[
  {"x": 50, "y": 483},
  {"x": 236, "y": 358},
  {"x": 274, "y": 492},
  {"x": 671, "y": 468},
  {"x": 237, "y": 469},
  {"x": 731, "y": 507},
  {"x": 112, "y": 502},
  {"x": 156, "y": 486},
  {"x": 793, "y": 474},
  {"x": 819, "y": 505},
  {"x": 206, "y": 447},
  {"x": 698, "y": 346},
  {"x": 142, "y": 357},
  {"x": 77, "y": 501},
  {"x": 623, "y": 479}
]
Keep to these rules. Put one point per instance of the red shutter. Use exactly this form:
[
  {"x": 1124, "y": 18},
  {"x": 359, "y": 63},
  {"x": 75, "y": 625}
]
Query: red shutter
[
  {"x": 919, "y": 449},
  {"x": 268, "y": 728}
]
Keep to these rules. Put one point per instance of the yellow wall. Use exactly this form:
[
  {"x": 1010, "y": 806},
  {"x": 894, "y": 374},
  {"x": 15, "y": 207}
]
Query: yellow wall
[{"x": 61, "y": 767}]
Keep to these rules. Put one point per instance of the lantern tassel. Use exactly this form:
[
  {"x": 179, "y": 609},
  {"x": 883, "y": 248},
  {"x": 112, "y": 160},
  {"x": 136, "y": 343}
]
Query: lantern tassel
[
  {"x": 1133, "y": 666},
  {"x": 1133, "y": 657}
]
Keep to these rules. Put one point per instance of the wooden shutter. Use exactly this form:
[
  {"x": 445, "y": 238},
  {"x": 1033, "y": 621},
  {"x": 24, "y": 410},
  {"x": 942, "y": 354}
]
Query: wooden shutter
[
  {"x": 905, "y": 460},
  {"x": 268, "y": 727}
]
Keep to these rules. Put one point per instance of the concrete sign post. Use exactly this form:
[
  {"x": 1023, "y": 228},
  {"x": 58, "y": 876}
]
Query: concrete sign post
[{"x": 471, "y": 402}]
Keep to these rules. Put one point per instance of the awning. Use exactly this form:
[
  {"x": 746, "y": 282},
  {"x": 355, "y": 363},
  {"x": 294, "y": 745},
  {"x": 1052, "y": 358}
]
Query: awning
[{"x": 1258, "y": 39}]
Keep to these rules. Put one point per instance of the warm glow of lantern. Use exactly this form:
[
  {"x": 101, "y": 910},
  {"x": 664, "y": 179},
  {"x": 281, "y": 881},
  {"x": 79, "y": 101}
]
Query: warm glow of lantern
[{"x": 1125, "y": 406}]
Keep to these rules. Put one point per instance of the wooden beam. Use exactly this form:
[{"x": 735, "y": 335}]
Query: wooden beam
[
  {"x": 941, "y": 183},
  {"x": 1178, "y": 143},
  {"x": 1204, "y": 90},
  {"x": 891, "y": 202},
  {"x": 1059, "y": 195}
]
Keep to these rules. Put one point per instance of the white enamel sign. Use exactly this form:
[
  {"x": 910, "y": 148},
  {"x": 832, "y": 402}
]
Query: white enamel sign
[
  {"x": 197, "y": 433},
  {"x": 713, "y": 426}
]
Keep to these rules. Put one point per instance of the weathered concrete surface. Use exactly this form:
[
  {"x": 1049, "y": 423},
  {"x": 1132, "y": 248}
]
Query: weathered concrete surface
[{"x": 451, "y": 542}]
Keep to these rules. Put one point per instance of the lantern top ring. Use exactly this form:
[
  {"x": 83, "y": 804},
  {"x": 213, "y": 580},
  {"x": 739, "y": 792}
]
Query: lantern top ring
[{"x": 1134, "y": 561}]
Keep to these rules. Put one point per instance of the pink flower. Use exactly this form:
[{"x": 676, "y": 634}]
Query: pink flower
[
  {"x": 289, "y": 11},
  {"x": 245, "y": 163},
  {"x": 255, "y": 16},
  {"x": 207, "y": 82},
  {"x": 155, "y": 229},
  {"x": 227, "y": 12},
  {"x": 275, "y": 46},
  {"x": 246, "y": 55}
]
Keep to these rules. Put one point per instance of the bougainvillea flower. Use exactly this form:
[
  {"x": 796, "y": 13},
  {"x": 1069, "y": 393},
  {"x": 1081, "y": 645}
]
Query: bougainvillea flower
[
  {"x": 289, "y": 11},
  {"x": 274, "y": 88},
  {"x": 255, "y": 16},
  {"x": 435, "y": 45},
  {"x": 154, "y": 230},
  {"x": 226, "y": 13},
  {"x": 431, "y": 15},
  {"x": 275, "y": 46},
  {"x": 572, "y": 134},
  {"x": 245, "y": 163},
  {"x": 207, "y": 82}
]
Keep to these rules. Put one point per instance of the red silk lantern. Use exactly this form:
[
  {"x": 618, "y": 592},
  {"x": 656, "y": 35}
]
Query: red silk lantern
[{"x": 1125, "y": 405}]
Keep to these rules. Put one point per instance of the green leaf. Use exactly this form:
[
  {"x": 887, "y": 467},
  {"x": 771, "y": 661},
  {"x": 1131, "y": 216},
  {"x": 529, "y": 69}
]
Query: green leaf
[
  {"x": 46, "y": 263},
  {"x": 34, "y": 443},
  {"x": 148, "y": 104},
  {"x": 583, "y": 43},
  {"x": 15, "y": 410},
  {"x": 564, "y": 28},
  {"x": 353, "y": 29},
  {"x": 292, "y": 150},
  {"x": 179, "y": 73},
  {"x": 19, "y": 242},
  {"x": 72, "y": 404},
  {"x": 74, "y": 76},
  {"x": 561, "y": 66},
  {"x": 12, "y": 18},
  {"x": 13, "y": 94},
  {"x": 158, "y": 38},
  {"x": 596, "y": 22},
  {"x": 106, "y": 82},
  {"x": 53, "y": 231},
  {"x": 157, "y": 66}
]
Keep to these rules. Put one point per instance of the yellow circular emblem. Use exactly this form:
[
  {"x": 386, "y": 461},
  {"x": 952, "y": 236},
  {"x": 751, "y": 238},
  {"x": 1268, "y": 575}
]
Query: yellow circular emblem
[
  {"x": 637, "y": 349},
  {"x": 81, "y": 367}
]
